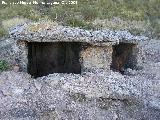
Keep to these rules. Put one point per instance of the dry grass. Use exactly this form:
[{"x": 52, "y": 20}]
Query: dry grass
[
  {"x": 41, "y": 25},
  {"x": 88, "y": 11},
  {"x": 3, "y": 32},
  {"x": 7, "y": 24}
]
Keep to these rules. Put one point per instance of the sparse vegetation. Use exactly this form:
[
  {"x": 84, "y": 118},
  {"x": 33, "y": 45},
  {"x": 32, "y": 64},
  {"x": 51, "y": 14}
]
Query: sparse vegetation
[
  {"x": 85, "y": 12},
  {"x": 3, "y": 65},
  {"x": 79, "y": 23},
  {"x": 7, "y": 24},
  {"x": 41, "y": 25},
  {"x": 78, "y": 97},
  {"x": 3, "y": 32}
]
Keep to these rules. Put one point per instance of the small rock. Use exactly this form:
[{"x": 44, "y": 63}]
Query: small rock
[
  {"x": 16, "y": 68},
  {"x": 37, "y": 84}
]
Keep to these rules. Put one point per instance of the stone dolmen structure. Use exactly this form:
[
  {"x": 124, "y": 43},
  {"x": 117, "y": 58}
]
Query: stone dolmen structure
[{"x": 44, "y": 49}]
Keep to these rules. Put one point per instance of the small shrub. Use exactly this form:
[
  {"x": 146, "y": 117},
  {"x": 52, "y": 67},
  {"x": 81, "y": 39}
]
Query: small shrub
[
  {"x": 75, "y": 22},
  {"x": 3, "y": 65},
  {"x": 79, "y": 23},
  {"x": 89, "y": 12},
  {"x": 78, "y": 97},
  {"x": 59, "y": 13},
  {"x": 88, "y": 26}
]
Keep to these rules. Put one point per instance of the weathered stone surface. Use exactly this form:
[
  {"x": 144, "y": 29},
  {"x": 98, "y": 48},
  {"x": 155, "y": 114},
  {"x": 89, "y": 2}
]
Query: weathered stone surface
[
  {"x": 15, "y": 53},
  {"x": 40, "y": 32},
  {"x": 150, "y": 51},
  {"x": 96, "y": 57},
  {"x": 7, "y": 50}
]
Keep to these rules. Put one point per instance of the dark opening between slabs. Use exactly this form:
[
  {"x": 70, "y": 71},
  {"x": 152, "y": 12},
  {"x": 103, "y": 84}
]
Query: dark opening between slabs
[
  {"x": 58, "y": 57},
  {"x": 123, "y": 57}
]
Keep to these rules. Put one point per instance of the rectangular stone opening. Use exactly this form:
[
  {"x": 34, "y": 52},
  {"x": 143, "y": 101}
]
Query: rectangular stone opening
[
  {"x": 58, "y": 57},
  {"x": 123, "y": 57}
]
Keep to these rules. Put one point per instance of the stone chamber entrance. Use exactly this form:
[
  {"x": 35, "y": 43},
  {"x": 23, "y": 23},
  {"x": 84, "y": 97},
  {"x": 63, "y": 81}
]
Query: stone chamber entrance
[
  {"x": 58, "y": 57},
  {"x": 123, "y": 57}
]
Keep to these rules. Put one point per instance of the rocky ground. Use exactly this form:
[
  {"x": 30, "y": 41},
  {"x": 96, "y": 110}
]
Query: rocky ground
[{"x": 94, "y": 95}]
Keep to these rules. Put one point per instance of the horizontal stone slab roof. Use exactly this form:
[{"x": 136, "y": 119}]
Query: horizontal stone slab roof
[{"x": 38, "y": 32}]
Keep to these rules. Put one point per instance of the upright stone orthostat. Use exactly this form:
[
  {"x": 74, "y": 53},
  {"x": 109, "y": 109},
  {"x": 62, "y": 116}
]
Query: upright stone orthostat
[{"x": 96, "y": 57}]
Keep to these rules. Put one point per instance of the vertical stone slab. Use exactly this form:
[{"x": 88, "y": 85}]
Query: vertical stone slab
[
  {"x": 139, "y": 55},
  {"x": 96, "y": 57},
  {"x": 22, "y": 55},
  {"x": 135, "y": 57}
]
